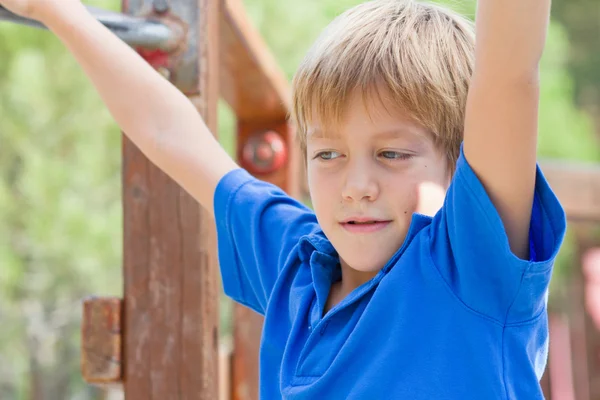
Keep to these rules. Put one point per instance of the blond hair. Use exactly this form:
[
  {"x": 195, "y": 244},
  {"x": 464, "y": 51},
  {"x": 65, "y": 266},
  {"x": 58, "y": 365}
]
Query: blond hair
[{"x": 419, "y": 56}]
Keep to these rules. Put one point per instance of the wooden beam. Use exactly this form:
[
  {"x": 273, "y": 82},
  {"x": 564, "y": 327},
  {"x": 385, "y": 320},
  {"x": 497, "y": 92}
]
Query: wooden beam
[
  {"x": 250, "y": 80},
  {"x": 101, "y": 341},
  {"x": 170, "y": 266},
  {"x": 584, "y": 335},
  {"x": 577, "y": 186}
]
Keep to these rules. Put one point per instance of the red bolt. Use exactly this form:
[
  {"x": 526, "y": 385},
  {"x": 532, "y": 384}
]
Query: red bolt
[{"x": 264, "y": 152}]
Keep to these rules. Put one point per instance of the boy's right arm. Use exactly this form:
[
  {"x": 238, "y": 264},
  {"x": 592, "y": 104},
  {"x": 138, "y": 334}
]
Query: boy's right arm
[
  {"x": 153, "y": 113},
  {"x": 258, "y": 225}
]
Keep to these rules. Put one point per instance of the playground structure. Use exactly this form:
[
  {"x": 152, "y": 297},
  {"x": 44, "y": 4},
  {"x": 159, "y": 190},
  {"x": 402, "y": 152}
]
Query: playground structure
[{"x": 160, "y": 341}]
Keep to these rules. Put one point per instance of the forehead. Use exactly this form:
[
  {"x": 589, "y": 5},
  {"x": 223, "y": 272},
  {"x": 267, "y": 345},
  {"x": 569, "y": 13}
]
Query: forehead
[
  {"x": 372, "y": 112},
  {"x": 376, "y": 123}
]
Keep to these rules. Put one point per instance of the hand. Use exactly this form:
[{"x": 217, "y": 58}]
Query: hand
[{"x": 36, "y": 9}]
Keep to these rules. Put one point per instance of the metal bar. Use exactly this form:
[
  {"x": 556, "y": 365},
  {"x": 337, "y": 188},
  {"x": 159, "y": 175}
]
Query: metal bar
[{"x": 137, "y": 32}]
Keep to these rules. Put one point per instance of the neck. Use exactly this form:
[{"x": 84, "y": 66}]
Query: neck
[{"x": 351, "y": 278}]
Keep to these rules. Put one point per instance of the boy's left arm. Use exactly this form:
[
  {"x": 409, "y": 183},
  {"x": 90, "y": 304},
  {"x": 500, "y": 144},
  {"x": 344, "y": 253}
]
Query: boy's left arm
[{"x": 500, "y": 138}]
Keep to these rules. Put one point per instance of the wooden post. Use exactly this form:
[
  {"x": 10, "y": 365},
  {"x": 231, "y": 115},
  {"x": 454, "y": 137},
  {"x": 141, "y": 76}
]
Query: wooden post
[
  {"x": 170, "y": 266},
  {"x": 588, "y": 373}
]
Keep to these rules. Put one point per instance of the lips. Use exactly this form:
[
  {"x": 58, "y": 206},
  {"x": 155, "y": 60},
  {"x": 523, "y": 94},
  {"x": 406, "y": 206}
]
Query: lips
[
  {"x": 361, "y": 220},
  {"x": 364, "y": 225}
]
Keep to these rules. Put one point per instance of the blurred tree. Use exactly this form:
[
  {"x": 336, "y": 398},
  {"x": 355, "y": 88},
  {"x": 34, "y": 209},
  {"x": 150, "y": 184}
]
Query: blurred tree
[
  {"x": 60, "y": 213},
  {"x": 581, "y": 19}
]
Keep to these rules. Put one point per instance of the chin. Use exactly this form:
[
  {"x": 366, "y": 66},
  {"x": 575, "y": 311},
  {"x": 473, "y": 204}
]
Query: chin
[{"x": 368, "y": 261}]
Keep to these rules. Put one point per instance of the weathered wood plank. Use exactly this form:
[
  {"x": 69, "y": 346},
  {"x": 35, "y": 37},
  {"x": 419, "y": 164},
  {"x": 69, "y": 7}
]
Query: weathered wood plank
[
  {"x": 559, "y": 368},
  {"x": 101, "y": 336},
  {"x": 247, "y": 330},
  {"x": 171, "y": 291},
  {"x": 577, "y": 186},
  {"x": 588, "y": 274},
  {"x": 250, "y": 80},
  {"x": 136, "y": 259}
]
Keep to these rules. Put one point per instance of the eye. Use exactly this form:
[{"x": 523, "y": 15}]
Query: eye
[
  {"x": 394, "y": 155},
  {"x": 327, "y": 155}
]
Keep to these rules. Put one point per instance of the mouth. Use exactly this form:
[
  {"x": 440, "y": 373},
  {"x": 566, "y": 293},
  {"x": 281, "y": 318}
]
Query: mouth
[{"x": 363, "y": 225}]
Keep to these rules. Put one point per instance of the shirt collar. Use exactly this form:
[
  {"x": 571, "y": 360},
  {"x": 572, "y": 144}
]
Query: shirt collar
[{"x": 328, "y": 256}]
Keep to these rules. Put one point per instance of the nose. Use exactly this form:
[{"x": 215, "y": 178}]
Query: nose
[{"x": 361, "y": 183}]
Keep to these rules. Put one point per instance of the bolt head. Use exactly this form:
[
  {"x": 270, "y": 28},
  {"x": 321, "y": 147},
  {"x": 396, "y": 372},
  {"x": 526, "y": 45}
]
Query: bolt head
[{"x": 264, "y": 153}]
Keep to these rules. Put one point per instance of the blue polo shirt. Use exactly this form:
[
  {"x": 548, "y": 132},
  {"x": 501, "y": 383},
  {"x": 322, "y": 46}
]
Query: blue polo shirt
[{"x": 452, "y": 315}]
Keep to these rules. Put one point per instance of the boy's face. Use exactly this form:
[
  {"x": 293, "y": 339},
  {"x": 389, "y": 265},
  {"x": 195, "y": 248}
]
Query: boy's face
[{"x": 368, "y": 177}]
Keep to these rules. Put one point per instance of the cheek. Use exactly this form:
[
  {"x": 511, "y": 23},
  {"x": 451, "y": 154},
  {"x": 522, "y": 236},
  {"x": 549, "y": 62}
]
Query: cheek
[
  {"x": 411, "y": 193},
  {"x": 436, "y": 170},
  {"x": 424, "y": 191},
  {"x": 322, "y": 188},
  {"x": 404, "y": 194}
]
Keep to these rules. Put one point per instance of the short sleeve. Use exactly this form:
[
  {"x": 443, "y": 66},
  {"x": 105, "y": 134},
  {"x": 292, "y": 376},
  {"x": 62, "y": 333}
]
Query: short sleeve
[
  {"x": 258, "y": 226},
  {"x": 471, "y": 249}
]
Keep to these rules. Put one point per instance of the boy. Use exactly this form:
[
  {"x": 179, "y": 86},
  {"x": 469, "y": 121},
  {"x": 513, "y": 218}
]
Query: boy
[{"x": 423, "y": 272}]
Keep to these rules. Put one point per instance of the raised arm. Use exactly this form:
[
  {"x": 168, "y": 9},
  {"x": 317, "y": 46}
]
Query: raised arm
[
  {"x": 501, "y": 126},
  {"x": 153, "y": 113}
]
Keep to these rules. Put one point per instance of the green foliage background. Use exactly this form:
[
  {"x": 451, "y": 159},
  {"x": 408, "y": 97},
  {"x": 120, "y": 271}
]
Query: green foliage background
[{"x": 60, "y": 210}]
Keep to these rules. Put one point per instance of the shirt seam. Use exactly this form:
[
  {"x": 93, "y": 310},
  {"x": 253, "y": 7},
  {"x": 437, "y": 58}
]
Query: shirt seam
[
  {"x": 528, "y": 265},
  {"x": 446, "y": 284},
  {"x": 504, "y": 364},
  {"x": 527, "y": 270},
  {"x": 460, "y": 301},
  {"x": 529, "y": 321},
  {"x": 508, "y": 326},
  {"x": 500, "y": 236},
  {"x": 227, "y": 216}
]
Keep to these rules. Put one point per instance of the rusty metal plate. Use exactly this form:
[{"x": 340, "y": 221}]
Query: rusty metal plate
[{"x": 101, "y": 340}]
